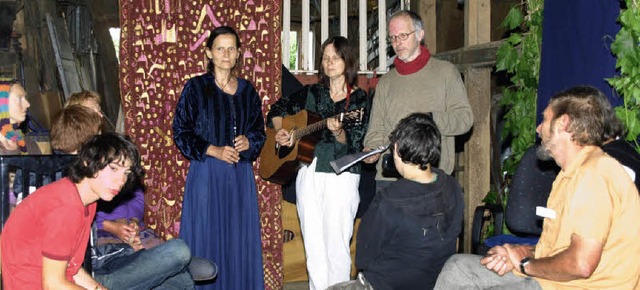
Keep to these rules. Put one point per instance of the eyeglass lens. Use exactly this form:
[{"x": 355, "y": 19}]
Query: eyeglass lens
[{"x": 401, "y": 37}]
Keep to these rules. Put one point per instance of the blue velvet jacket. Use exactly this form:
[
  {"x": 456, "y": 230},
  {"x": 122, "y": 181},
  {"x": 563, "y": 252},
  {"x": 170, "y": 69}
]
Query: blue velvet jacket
[{"x": 205, "y": 115}]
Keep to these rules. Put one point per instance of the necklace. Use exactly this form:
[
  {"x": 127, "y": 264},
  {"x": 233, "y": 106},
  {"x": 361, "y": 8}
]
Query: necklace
[{"x": 223, "y": 86}]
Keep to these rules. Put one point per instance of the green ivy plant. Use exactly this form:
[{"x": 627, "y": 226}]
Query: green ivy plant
[
  {"x": 519, "y": 56},
  {"x": 626, "y": 48}
]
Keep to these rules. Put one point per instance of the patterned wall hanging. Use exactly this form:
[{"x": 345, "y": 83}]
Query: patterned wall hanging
[{"x": 162, "y": 45}]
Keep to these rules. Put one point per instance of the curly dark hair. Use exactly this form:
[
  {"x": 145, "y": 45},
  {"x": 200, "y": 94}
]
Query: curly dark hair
[
  {"x": 102, "y": 150},
  {"x": 416, "y": 138}
]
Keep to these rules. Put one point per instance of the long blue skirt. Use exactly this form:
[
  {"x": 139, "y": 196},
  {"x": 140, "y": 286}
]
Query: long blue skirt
[{"x": 220, "y": 222}]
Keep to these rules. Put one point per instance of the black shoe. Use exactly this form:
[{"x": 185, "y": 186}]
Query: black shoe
[{"x": 202, "y": 269}]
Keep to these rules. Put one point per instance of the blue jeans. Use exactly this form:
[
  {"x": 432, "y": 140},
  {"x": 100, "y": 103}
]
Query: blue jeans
[{"x": 161, "y": 267}]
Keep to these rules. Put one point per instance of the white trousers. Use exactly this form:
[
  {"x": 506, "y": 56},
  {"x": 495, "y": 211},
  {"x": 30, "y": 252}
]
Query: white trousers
[{"x": 327, "y": 205}]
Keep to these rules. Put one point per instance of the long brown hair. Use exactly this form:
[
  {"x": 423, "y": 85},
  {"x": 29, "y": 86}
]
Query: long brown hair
[{"x": 344, "y": 50}]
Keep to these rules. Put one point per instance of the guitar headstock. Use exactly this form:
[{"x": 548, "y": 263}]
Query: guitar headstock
[{"x": 352, "y": 117}]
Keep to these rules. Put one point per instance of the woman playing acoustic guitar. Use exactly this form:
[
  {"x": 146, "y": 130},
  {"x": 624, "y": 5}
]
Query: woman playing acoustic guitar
[{"x": 327, "y": 202}]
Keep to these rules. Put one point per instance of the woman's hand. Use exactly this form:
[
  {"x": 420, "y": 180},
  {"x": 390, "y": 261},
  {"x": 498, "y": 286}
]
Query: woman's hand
[
  {"x": 335, "y": 126},
  {"x": 283, "y": 138},
  {"x": 127, "y": 232},
  {"x": 241, "y": 143},
  {"x": 135, "y": 242},
  {"x": 225, "y": 153},
  {"x": 7, "y": 144}
]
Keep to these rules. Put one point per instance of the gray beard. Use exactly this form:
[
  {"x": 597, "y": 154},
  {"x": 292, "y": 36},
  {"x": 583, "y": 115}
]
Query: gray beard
[{"x": 543, "y": 154}]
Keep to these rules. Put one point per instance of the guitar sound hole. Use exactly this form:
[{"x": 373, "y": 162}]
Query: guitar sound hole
[{"x": 284, "y": 151}]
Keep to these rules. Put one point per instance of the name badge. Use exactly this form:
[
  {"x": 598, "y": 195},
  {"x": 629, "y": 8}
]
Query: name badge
[{"x": 544, "y": 212}]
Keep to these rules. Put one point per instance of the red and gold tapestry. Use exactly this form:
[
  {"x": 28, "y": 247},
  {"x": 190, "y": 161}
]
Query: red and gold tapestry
[{"x": 162, "y": 45}]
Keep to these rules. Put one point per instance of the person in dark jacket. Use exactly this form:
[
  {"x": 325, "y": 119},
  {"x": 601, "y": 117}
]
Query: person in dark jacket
[
  {"x": 615, "y": 144},
  {"x": 411, "y": 227}
]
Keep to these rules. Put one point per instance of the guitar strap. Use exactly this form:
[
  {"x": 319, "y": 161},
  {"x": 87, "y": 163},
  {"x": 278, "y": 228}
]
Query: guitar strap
[{"x": 311, "y": 101}]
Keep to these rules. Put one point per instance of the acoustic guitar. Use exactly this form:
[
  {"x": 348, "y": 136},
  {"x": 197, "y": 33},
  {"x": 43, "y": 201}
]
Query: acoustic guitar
[{"x": 279, "y": 164}]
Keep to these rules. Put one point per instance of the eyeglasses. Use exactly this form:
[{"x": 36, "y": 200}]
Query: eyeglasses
[{"x": 400, "y": 37}]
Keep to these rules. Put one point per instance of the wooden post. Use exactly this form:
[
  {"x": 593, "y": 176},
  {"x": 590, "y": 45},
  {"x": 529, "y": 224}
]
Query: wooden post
[
  {"x": 108, "y": 68},
  {"x": 427, "y": 10},
  {"x": 478, "y": 83}
]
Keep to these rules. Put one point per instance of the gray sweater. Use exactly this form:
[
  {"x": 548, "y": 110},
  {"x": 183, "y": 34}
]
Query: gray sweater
[{"x": 436, "y": 88}]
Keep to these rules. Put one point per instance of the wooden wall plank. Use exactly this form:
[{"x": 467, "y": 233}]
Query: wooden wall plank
[
  {"x": 478, "y": 83},
  {"x": 427, "y": 10}
]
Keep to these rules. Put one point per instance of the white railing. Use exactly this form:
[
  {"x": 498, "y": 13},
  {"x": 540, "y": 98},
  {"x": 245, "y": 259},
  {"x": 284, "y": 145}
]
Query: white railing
[{"x": 307, "y": 49}]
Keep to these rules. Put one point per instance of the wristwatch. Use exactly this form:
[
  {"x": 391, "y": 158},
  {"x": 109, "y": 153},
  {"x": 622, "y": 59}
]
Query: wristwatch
[{"x": 523, "y": 263}]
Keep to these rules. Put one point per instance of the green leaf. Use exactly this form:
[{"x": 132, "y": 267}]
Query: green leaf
[
  {"x": 519, "y": 56},
  {"x": 626, "y": 48},
  {"x": 513, "y": 19},
  {"x": 506, "y": 58},
  {"x": 623, "y": 45}
]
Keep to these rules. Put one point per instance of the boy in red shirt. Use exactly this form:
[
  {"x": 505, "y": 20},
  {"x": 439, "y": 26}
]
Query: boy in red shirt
[{"x": 46, "y": 236}]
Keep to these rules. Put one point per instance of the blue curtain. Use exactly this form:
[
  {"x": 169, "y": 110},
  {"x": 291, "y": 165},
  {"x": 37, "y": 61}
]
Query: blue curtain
[{"x": 576, "y": 37}]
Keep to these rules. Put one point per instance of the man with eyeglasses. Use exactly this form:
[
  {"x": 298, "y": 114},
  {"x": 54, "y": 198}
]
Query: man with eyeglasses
[{"x": 418, "y": 83}]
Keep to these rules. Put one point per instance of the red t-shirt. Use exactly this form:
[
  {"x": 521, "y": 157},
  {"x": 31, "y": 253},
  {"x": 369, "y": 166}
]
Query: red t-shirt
[{"x": 51, "y": 222}]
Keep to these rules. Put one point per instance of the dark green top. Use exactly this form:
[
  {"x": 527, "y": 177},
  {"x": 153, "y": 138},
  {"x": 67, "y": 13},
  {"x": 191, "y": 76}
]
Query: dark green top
[{"x": 317, "y": 99}]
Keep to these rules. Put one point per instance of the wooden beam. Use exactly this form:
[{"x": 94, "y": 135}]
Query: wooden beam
[
  {"x": 109, "y": 12},
  {"x": 477, "y": 22},
  {"x": 476, "y": 56},
  {"x": 477, "y": 151},
  {"x": 427, "y": 10},
  {"x": 107, "y": 67}
]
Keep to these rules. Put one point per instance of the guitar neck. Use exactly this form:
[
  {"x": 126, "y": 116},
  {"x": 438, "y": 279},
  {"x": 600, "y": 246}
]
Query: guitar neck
[
  {"x": 349, "y": 117},
  {"x": 310, "y": 129}
]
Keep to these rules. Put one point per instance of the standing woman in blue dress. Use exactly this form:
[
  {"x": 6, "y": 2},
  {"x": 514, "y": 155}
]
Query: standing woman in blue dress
[{"x": 219, "y": 127}]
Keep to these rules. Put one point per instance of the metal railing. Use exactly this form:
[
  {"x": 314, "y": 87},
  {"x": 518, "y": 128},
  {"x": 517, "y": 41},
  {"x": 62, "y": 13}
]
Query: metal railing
[{"x": 372, "y": 33}]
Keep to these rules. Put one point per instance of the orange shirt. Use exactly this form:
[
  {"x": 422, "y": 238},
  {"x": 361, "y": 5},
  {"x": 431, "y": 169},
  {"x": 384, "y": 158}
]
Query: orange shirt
[{"x": 595, "y": 198}]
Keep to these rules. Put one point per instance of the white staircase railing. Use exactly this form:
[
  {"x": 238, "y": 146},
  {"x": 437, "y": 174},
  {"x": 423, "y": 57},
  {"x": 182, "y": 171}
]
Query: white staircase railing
[{"x": 372, "y": 44}]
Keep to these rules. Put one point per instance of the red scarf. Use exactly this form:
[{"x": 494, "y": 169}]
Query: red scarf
[{"x": 407, "y": 68}]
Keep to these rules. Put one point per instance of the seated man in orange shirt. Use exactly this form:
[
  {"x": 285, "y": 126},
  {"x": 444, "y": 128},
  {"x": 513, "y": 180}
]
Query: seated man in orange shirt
[{"x": 589, "y": 239}]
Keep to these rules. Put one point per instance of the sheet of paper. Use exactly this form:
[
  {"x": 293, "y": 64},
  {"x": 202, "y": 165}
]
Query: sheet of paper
[{"x": 343, "y": 163}]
